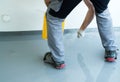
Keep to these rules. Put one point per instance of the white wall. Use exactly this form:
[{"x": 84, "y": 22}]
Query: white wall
[
  {"x": 26, "y": 15},
  {"x": 21, "y": 15}
]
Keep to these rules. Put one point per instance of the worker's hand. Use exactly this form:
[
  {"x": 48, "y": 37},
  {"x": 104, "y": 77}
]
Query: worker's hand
[
  {"x": 80, "y": 33},
  {"x": 47, "y": 2}
]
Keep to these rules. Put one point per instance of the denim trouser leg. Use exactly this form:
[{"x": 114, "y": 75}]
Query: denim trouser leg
[
  {"x": 55, "y": 37},
  {"x": 106, "y": 31}
]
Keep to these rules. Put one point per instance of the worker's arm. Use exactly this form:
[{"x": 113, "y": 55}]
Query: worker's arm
[
  {"x": 47, "y": 2},
  {"x": 88, "y": 18}
]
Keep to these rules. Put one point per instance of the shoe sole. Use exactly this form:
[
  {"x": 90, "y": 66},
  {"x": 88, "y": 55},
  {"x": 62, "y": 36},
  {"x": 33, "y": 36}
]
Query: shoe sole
[
  {"x": 110, "y": 59},
  {"x": 60, "y": 67}
]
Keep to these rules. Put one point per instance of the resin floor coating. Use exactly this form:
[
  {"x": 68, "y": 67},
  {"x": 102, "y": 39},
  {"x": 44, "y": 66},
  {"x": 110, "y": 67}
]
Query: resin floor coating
[{"x": 21, "y": 59}]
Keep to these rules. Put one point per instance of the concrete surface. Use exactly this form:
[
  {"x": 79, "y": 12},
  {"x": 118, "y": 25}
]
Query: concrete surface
[{"x": 21, "y": 59}]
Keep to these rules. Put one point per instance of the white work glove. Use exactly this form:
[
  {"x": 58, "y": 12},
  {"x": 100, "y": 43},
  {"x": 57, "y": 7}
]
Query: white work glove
[{"x": 80, "y": 33}]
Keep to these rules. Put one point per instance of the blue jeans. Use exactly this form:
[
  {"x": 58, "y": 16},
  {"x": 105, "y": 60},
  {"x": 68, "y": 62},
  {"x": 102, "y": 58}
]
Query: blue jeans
[
  {"x": 55, "y": 37},
  {"x": 106, "y": 31}
]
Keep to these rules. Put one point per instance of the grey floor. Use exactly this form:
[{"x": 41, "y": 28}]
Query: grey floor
[{"x": 21, "y": 59}]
